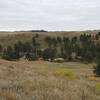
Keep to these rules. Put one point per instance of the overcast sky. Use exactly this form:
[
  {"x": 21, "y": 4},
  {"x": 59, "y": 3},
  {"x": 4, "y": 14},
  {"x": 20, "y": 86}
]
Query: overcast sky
[{"x": 49, "y": 14}]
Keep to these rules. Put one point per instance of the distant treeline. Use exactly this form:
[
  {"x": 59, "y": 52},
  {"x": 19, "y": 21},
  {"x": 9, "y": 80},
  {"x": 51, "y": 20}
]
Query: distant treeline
[
  {"x": 83, "y": 48},
  {"x": 39, "y": 31},
  {"x": 33, "y": 31}
]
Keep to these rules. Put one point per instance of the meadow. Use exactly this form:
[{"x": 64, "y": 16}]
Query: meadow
[{"x": 41, "y": 80}]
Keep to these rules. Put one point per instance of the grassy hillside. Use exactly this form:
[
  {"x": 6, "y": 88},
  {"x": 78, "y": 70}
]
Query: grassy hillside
[
  {"x": 9, "y": 38},
  {"x": 48, "y": 81}
]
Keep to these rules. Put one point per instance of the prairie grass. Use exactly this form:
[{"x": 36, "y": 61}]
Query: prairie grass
[{"x": 48, "y": 81}]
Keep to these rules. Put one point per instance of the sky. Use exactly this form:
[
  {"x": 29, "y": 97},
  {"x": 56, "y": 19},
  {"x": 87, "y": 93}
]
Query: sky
[{"x": 52, "y": 15}]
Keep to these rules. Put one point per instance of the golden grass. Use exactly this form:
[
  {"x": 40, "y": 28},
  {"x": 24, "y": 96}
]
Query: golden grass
[
  {"x": 64, "y": 74},
  {"x": 92, "y": 78},
  {"x": 37, "y": 81}
]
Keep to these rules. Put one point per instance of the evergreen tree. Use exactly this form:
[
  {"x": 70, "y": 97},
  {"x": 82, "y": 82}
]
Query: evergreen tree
[
  {"x": 97, "y": 68},
  {"x": 0, "y": 48},
  {"x": 34, "y": 41},
  {"x": 59, "y": 39},
  {"x": 8, "y": 53},
  {"x": 48, "y": 40},
  {"x": 74, "y": 39},
  {"x": 49, "y": 53},
  {"x": 97, "y": 37},
  {"x": 27, "y": 47},
  {"x": 88, "y": 56},
  {"x": 37, "y": 36},
  {"x": 98, "y": 33}
]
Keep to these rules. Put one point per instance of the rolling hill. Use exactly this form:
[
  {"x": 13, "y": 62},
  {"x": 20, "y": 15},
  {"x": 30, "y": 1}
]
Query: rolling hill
[{"x": 9, "y": 38}]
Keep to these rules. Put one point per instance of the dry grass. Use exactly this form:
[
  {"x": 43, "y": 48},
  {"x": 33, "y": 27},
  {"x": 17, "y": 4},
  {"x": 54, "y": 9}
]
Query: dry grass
[
  {"x": 9, "y": 38},
  {"x": 6, "y": 96},
  {"x": 36, "y": 81}
]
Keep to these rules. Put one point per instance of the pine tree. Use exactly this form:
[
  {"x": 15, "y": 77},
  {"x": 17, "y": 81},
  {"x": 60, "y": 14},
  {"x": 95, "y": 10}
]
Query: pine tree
[
  {"x": 0, "y": 48},
  {"x": 34, "y": 41},
  {"x": 97, "y": 68},
  {"x": 8, "y": 53},
  {"x": 49, "y": 53}
]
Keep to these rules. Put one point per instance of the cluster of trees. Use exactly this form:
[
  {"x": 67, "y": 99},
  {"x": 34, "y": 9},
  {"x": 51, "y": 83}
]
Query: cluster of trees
[
  {"x": 30, "y": 51},
  {"x": 85, "y": 48}
]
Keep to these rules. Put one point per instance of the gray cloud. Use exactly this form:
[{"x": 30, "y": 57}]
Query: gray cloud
[{"x": 49, "y": 14}]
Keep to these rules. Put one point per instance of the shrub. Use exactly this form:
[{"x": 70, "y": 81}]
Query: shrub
[
  {"x": 97, "y": 69},
  {"x": 92, "y": 78},
  {"x": 64, "y": 73}
]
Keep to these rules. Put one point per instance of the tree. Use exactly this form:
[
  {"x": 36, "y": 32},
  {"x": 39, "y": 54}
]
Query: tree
[
  {"x": 19, "y": 47},
  {"x": 48, "y": 40},
  {"x": 59, "y": 39},
  {"x": 77, "y": 49},
  {"x": 27, "y": 47},
  {"x": 97, "y": 36},
  {"x": 0, "y": 48},
  {"x": 39, "y": 53},
  {"x": 74, "y": 39},
  {"x": 54, "y": 42},
  {"x": 66, "y": 40},
  {"x": 98, "y": 33},
  {"x": 34, "y": 41},
  {"x": 37, "y": 36},
  {"x": 88, "y": 56},
  {"x": 97, "y": 68},
  {"x": 49, "y": 53},
  {"x": 8, "y": 53}
]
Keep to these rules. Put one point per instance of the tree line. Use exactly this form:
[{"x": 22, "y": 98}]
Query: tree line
[{"x": 85, "y": 47}]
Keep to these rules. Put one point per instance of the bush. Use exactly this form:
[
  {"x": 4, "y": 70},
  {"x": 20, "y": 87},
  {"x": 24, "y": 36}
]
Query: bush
[
  {"x": 97, "y": 69},
  {"x": 64, "y": 73}
]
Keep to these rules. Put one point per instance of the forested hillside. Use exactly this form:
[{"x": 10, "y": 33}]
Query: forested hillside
[{"x": 81, "y": 46}]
